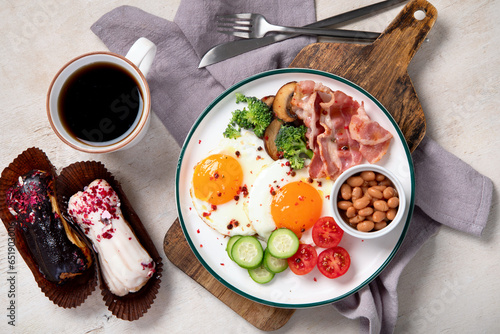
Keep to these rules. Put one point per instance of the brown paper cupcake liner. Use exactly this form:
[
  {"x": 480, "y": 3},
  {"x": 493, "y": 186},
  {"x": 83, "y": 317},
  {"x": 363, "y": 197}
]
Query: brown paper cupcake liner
[
  {"x": 75, "y": 178},
  {"x": 73, "y": 292}
]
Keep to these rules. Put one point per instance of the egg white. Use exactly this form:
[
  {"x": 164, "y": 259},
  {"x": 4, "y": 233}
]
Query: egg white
[
  {"x": 273, "y": 177},
  {"x": 252, "y": 158}
]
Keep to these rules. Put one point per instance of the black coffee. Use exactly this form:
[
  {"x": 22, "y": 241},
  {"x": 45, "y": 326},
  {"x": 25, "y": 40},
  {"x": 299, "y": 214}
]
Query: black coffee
[{"x": 100, "y": 102}]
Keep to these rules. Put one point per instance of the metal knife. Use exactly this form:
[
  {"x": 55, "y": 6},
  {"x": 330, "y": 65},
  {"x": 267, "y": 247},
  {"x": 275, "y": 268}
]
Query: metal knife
[{"x": 234, "y": 48}]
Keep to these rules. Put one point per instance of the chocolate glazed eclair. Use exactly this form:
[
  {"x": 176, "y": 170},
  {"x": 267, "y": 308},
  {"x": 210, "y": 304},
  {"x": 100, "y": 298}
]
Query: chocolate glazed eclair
[{"x": 57, "y": 250}]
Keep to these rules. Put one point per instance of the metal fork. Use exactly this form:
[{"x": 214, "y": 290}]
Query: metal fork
[{"x": 249, "y": 25}]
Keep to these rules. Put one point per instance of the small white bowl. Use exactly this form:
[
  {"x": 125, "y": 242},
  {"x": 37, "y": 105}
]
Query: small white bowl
[{"x": 335, "y": 198}]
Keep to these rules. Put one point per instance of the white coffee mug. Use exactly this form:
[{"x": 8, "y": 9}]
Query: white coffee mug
[{"x": 136, "y": 64}]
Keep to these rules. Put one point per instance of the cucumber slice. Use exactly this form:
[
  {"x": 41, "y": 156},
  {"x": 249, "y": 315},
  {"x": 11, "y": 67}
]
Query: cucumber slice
[
  {"x": 230, "y": 244},
  {"x": 260, "y": 274},
  {"x": 283, "y": 243},
  {"x": 247, "y": 252},
  {"x": 273, "y": 264}
]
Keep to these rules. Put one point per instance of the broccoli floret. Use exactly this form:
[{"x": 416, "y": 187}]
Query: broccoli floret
[
  {"x": 231, "y": 132},
  {"x": 291, "y": 141},
  {"x": 256, "y": 117}
]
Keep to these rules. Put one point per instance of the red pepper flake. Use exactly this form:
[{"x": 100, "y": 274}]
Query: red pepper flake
[
  {"x": 199, "y": 141},
  {"x": 258, "y": 157},
  {"x": 206, "y": 214},
  {"x": 327, "y": 196},
  {"x": 315, "y": 280},
  {"x": 237, "y": 153},
  {"x": 201, "y": 246},
  {"x": 198, "y": 231},
  {"x": 130, "y": 238},
  {"x": 216, "y": 175},
  {"x": 108, "y": 234},
  {"x": 222, "y": 264},
  {"x": 214, "y": 207},
  {"x": 272, "y": 191},
  {"x": 236, "y": 197},
  {"x": 259, "y": 148},
  {"x": 301, "y": 198},
  {"x": 244, "y": 190},
  {"x": 147, "y": 265}
]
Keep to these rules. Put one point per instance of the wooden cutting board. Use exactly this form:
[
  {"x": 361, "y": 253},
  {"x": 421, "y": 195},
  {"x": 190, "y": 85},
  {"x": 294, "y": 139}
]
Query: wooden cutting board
[{"x": 381, "y": 69}]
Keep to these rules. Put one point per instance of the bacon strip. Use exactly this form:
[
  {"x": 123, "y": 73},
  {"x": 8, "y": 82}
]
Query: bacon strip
[
  {"x": 340, "y": 133},
  {"x": 373, "y": 138}
]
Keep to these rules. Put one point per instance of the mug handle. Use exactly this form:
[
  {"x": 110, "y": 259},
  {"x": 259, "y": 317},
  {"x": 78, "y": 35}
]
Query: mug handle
[{"x": 142, "y": 54}]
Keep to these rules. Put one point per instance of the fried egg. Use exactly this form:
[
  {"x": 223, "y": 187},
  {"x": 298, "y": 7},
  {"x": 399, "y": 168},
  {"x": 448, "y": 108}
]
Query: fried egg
[
  {"x": 282, "y": 197},
  {"x": 222, "y": 182}
]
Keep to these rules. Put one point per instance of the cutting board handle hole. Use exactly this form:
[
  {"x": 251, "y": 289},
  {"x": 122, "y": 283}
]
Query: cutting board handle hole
[{"x": 420, "y": 14}]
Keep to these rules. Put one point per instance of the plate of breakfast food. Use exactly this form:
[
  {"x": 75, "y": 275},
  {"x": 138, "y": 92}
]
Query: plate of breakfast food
[{"x": 295, "y": 188}]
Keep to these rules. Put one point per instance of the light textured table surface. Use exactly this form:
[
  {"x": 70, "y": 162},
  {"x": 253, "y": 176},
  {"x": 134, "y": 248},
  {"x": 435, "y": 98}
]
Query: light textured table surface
[{"x": 451, "y": 286}]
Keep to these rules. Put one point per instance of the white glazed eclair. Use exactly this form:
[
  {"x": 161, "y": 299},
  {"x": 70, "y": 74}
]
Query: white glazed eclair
[{"x": 125, "y": 264}]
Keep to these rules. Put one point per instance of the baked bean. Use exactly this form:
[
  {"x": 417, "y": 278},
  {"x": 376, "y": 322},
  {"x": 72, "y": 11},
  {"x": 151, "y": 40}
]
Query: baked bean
[
  {"x": 365, "y": 226},
  {"x": 385, "y": 182},
  {"x": 391, "y": 214},
  {"x": 357, "y": 192},
  {"x": 346, "y": 191},
  {"x": 379, "y": 177},
  {"x": 375, "y": 193},
  {"x": 380, "y": 205},
  {"x": 356, "y": 219},
  {"x": 344, "y": 205},
  {"x": 393, "y": 202},
  {"x": 355, "y": 181},
  {"x": 368, "y": 175},
  {"x": 350, "y": 212},
  {"x": 389, "y": 192},
  {"x": 372, "y": 183},
  {"x": 378, "y": 216},
  {"x": 366, "y": 211},
  {"x": 361, "y": 203},
  {"x": 379, "y": 226},
  {"x": 381, "y": 188}
]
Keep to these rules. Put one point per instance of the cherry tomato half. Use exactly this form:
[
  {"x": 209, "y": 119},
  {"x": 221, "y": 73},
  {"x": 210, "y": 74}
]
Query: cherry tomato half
[
  {"x": 304, "y": 260},
  {"x": 326, "y": 233},
  {"x": 334, "y": 262}
]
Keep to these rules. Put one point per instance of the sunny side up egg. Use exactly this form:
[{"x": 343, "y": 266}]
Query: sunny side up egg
[
  {"x": 282, "y": 197},
  {"x": 223, "y": 180}
]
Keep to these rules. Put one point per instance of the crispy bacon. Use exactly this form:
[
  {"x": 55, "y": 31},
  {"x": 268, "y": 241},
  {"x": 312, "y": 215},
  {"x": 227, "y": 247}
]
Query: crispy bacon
[
  {"x": 373, "y": 138},
  {"x": 340, "y": 133}
]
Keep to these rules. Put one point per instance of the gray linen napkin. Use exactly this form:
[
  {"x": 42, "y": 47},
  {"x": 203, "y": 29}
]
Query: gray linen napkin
[{"x": 180, "y": 91}]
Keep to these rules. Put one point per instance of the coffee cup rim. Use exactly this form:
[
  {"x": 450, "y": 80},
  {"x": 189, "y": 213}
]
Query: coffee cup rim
[{"x": 115, "y": 146}]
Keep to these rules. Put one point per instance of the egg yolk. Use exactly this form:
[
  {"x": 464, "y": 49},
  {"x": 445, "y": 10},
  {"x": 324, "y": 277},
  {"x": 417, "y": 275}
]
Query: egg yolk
[
  {"x": 296, "y": 206},
  {"x": 217, "y": 179}
]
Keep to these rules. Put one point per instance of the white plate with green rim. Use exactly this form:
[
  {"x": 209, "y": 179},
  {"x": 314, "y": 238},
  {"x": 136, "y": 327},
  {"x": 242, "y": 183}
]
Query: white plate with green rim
[{"x": 287, "y": 290}]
